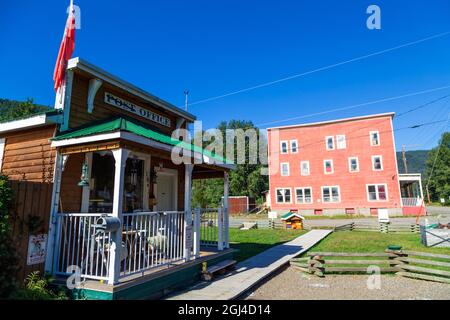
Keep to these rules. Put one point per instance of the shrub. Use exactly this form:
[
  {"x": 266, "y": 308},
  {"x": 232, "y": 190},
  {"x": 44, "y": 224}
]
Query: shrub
[
  {"x": 39, "y": 288},
  {"x": 9, "y": 258}
]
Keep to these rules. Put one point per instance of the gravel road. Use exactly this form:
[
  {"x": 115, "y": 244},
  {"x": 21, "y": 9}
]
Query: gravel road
[{"x": 292, "y": 284}]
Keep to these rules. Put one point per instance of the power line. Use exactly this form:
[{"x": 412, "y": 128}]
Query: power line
[
  {"x": 439, "y": 35},
  {"x": 411, "y": 94}
]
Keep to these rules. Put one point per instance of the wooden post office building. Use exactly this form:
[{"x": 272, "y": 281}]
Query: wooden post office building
[{"x": 97, "y": 173}]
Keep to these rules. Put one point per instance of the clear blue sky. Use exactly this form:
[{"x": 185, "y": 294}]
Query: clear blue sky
[{"x": 215, "y": 47}]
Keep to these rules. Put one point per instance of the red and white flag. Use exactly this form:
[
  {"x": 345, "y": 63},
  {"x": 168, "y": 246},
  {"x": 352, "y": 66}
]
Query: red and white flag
[{"x": 65, "y": 50}]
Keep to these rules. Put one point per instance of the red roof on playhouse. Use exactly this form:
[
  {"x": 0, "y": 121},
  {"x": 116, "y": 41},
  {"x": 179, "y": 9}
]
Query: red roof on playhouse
[{"x": 342, "y": 166}]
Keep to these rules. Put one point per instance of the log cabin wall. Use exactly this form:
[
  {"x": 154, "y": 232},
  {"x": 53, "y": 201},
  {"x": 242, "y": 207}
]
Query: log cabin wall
[
  {"x": 28, "y": 161},
  {"x": 80, "y": 116},
  {"x": 28, "y": 155},
  {"x": 70, "y": 198}
]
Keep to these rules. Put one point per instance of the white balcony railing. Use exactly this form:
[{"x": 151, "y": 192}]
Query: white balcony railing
[{"x": 412, "y": 202}]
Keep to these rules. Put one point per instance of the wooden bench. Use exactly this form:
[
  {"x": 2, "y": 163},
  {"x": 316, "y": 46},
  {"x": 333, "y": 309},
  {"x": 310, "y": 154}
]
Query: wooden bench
[{"x": 218, "y": 269}]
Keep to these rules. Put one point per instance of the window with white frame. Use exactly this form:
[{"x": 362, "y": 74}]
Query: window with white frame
[
  {"x": 353, "y": 164},
  {"x": 2, "y": 150},
  {"x": 329, "y": 141},
  {"x": 340, "y": 141},
  {"x": 283, "y": 195},
  {"x": 377, "y": 163},
  {"x": 294, "y": 146},
  {"x": 284, "y": 147},
  {"x": 377, "y": 192},
  {"x": 374, "y": 138},
  {"x": 304, "y": 167},
  {"x": 328, "y": 166},
  {"x": 303, "y": 195},
  {"x": 331, "y": 194},
  {"x": 284, "y": 169}
]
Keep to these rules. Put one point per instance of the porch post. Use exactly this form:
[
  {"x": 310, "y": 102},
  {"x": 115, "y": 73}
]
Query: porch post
[
  {"x": 188, "y": 234},
  {"x": 220, "y": 228},
  {"x": 86, "y": 190},
  {"x": 197, "y": 232},
  {"x": 120, "y": 157},
  {"x": 226, "y": 218},
  {"x": 53, "y": 230},
  {"x": 420, "y": 187}
]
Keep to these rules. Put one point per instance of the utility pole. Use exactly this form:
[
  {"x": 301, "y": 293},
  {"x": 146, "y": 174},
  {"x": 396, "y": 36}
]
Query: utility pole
[
  {"x": 186, "y": 94},
  {"x": 404, "y": 158}
]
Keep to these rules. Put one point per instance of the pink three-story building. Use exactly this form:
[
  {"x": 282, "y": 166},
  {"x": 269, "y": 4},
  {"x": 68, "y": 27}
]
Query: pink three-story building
[{"x": 345, "y": 166}]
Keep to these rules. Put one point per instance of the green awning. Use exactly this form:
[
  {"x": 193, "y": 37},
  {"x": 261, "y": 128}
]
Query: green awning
[{"x": 138, "y": 128}]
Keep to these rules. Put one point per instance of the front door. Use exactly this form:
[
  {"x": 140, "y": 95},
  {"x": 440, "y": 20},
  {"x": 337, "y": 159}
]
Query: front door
[{"x": 165, "y": 192}]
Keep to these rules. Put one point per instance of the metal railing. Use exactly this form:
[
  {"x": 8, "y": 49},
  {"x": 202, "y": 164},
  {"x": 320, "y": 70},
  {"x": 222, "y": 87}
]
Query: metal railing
[
  {"x": 411, "y": 202},
  {"x": 209, "y": 227},
  {"x": 79, "y": 245},
  {"x": 151, "y": 239}
]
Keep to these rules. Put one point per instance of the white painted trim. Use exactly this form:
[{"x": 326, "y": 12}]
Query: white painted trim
[
  {"x": 281, "y": 146},
  {"x": 2, "y": 151},
  {"x": 67, "y": 100},
  {"x": 391, "y": 114},
  {"x": 284, "y": 196},
  {"x": 301, "y": 168},
  {"x": 326, "y": 143},
  {"x": 26, "y": 123},
  {"x": 77, "y": 63},
  {"x": 303, "y": 188},
  {"x": 331, "y": 194},
  {"x": 337, "y": 142},
  {"x": 376, "y": 192},
  {"x": 350, "y": 164},
  {"x": 288, "y": 169},
  {"x": 381, "y": 162},
  {"x": 396, "y": 165},
  {"x": 296, "y": 146},
  {"x": 94, "y": 85},
  {"x": 379, "y": 138},
  {"x": 325, "y": 168}
]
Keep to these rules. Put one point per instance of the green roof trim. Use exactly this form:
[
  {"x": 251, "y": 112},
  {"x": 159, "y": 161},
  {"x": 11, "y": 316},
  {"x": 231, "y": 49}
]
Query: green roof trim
[{"x": 140, "y": 129}]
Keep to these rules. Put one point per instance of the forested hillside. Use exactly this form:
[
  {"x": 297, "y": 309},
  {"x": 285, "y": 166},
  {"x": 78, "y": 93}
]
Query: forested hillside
[
  {"x": 415, "y": 161},
  {"x": 11, "y": 109}
]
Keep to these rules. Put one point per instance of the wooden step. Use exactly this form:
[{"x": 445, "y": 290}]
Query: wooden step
[{"x": 218, "y": 268}]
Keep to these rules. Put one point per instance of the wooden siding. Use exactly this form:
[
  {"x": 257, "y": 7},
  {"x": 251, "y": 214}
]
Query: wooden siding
[
  {"x": 29, "y": 215},
  {"x": 28, "y": 155},
  {"x": 79, "y": 115},
  {"x": 70, "y": 200}
]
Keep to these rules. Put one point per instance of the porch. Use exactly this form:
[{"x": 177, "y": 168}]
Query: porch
[
  {"x": 411, "y": 193},
  {"x": 128, "y": 218}
]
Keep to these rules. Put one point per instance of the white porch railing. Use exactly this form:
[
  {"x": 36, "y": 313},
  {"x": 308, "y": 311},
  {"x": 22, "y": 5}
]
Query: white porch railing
[
  {"x": 79, "y": 246},
  {"x": 151, "y": 239},
  {"x": 148, "y": 240},
  {"x": 411, "y": 202}
]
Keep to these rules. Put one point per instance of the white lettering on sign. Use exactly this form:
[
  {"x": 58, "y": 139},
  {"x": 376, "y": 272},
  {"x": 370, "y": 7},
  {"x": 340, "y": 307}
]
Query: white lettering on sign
[{"x": 135, "y": 109}]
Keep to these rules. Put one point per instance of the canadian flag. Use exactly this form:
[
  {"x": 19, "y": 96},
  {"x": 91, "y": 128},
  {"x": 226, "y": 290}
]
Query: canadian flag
[{"x": 65, "y": 50}]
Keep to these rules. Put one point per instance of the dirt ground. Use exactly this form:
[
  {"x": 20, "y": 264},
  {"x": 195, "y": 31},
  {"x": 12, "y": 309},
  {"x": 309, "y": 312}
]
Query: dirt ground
[{"x": 292, "y": 284}]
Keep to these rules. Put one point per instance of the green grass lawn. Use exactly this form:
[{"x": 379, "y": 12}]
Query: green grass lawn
[
  {"x": 254, "y": 241},
  {"x": 366, "y": 241}
]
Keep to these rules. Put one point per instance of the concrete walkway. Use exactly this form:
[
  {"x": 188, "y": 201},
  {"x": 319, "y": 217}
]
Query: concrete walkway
[{"x": 249, "y": 272}]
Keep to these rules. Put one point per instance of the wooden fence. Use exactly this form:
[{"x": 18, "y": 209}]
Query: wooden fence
[
  {"x": 29, "y": 215},
  {"x": 418, "y": 265},
  {"x": 379, "y": 227}
]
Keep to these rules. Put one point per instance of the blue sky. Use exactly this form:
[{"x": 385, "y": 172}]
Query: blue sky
[{"x": 216, "y": 47}]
